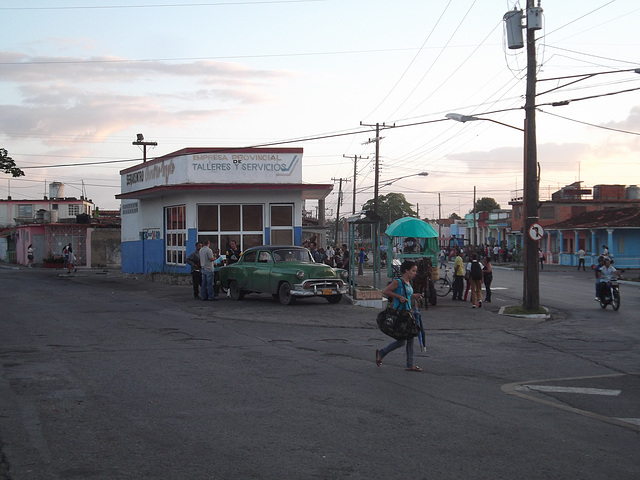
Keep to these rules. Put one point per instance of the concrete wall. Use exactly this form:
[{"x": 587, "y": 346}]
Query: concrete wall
[{"x": 105, "y": 248}]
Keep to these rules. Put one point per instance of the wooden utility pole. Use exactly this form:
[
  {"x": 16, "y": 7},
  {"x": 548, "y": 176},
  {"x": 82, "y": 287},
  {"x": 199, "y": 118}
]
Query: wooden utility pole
[
  {"x": 377, "y": 174},
  {"x": 338, "y": 208},
  {"x": 140, "y": 141},
  {"x": 439, "y": 222},
  {"x": 475, "y": 224},
  {"x": 355, "y": 173},
  {"x": 531, "y": 274}
]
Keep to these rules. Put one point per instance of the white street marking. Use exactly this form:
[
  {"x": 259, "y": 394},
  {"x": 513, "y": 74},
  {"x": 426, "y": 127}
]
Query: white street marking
[
  {"x": 584, "y": 391},
  {"x": 634, "y": 421}
]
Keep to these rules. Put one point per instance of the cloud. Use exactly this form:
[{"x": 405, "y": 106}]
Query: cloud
[
  {"x": 631, "y": 123},
  {"x": 23, "y": 68},
  {"x": 65, "y": 99}
]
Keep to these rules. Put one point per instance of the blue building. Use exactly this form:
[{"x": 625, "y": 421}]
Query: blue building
[{"x": 617, "y": 229}]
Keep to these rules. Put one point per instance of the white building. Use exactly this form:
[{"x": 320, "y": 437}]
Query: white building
[
  {"x": 251, "y": 195},
  {"x": 54, "y": 208}
]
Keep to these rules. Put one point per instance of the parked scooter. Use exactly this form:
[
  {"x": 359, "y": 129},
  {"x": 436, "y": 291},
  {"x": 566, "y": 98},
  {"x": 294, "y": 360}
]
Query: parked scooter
[{"x": 610, "y": 295}]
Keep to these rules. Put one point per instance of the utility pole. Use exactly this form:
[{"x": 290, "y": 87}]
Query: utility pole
[
  {"x": 475, "y": 224},
  {"x": 140, "y": 141},
  {"x": 439, "y": 221},
  {"x": 377, "y": 174},
  {"x": 355, "y": 173},
  {"x": 338, "y": 208},
  {"x": 531, "y": 281}
]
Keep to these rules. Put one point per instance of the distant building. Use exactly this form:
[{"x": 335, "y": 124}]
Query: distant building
[
  {"x": 578, "y": 217},
  {"x": 52, "y": 209},
  {"x": 55, "y": 221}
]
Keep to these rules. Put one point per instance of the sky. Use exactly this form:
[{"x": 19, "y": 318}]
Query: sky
[{"x": 80, "y": 78}]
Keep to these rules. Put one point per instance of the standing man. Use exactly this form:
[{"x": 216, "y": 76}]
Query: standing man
[
  {"x": 581, "y": 254},
  {"x": 345, "y": 257},
  {"x": 362, "y": 257},
  {"x": 317, "y": 256},
  {"x": 475, "y": 280},
  {"x": 233, "y": 253},
  {"x": 206, "y": 263},
  {"x": 458, "y": 277},
  {"x": 196, "y": 276}
]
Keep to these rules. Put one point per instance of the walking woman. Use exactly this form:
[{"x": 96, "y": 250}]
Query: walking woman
[
  {"x": 487, "y": 277},
  {"x": 30, "y": 256},
  {"x": 401, "y": 291}
]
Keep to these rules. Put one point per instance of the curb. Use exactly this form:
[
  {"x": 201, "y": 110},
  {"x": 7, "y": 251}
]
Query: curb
[{"x": 533, "y": 316}]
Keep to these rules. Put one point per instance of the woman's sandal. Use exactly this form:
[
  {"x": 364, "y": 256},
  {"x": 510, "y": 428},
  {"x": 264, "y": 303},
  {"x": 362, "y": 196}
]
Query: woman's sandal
[
  {"x": 415, "y": 368},
  {"x": 378, "y": 359}
]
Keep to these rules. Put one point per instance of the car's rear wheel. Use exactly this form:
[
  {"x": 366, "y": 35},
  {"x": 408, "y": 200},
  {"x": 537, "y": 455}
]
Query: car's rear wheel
[
  {"x": 334, "y": 298},
  {"x": 234, "y": 291},
  {"x": 284, "y": 294}
]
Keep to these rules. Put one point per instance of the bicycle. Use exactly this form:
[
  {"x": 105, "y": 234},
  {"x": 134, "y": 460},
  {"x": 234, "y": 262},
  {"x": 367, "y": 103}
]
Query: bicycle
[{"x": 443, "y": 285}]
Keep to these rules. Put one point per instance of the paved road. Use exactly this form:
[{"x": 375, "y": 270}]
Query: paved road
[{"x": 105, "y": 376}]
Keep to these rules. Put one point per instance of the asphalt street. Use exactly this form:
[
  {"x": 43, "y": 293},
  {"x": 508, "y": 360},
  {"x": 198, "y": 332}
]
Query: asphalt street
[{"x": 109, "y": 376}]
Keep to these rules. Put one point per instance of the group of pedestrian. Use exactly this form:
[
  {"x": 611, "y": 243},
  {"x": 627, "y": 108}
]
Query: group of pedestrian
[
  {"x": 476, "y": 273},
  {"x": 205, "y": 265},
  {"x": 334, "y": 257}
]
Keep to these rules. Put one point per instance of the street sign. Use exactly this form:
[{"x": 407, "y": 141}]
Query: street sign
[{"x": 536, "y": 232}]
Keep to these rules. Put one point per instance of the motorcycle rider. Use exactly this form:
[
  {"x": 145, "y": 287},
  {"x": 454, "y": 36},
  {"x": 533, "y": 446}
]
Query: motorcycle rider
[{"x": 606, "y": 274}]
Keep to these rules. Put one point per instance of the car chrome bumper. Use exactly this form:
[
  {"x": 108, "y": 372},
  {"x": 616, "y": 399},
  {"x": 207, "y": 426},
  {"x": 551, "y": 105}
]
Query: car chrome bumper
[{"x": 312, "y": 288}]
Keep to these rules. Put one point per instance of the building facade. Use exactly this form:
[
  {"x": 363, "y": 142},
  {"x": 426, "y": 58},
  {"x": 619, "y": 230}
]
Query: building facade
[
  {"x": 564, "y": 236},
  {"x": 253, "y": 196}
]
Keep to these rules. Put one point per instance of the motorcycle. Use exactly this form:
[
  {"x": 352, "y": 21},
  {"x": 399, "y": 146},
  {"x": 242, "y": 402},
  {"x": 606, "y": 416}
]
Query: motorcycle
[{"x": 610, "y": 295}]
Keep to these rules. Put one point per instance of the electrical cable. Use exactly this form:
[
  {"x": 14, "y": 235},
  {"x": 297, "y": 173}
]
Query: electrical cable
[{"x": 587, "y": 123}]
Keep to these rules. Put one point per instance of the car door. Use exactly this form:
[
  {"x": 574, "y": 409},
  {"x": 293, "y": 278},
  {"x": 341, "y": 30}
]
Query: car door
[
  {"x": 261, "y": 277},
  {"x": 245, "y": 268}
]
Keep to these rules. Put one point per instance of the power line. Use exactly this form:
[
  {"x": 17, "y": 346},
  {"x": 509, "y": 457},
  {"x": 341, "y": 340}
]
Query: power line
[
  {"x": 589, "y": 124},
  {"x": 177, "y": 5}
]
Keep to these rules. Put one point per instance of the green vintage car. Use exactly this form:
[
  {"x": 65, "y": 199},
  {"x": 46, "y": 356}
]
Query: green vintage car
[{"x": 286, "y": 272}]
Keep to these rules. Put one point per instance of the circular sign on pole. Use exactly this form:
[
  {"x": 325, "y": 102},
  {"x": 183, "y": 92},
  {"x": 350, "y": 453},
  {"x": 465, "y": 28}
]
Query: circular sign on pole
[{"x": 536, "y": 232}]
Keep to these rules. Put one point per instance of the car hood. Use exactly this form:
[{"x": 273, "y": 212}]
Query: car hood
[{"x": 312, "y": 270}]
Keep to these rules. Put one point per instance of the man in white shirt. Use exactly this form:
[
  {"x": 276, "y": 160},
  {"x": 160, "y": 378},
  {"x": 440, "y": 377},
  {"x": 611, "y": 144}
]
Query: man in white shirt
[
  {"x": 606, "y": 274},
  {"x": 206, "y": 263},
  {"x": 581, "y": 254}
]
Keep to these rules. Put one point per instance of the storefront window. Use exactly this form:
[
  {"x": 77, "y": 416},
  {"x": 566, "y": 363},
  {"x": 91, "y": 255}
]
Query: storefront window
[
  {"x": 230, "y": 218},
  {"x": 281, "y": 215},
  {"x": 208, "y": 218},
  {"x": 242, "y": 223},
  {"x": 281, "y": 224},
  {"x": 252, "y": 218},
  {"x": 281, "y": 237},
  {"x": 175, "y": 235}
]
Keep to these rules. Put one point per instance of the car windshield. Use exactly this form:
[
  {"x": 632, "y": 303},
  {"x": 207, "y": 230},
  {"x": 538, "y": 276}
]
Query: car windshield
[{"x": 292, "y": 255}]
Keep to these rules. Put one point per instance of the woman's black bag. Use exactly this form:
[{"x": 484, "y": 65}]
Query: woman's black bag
[{"x": 398, "y": 324}]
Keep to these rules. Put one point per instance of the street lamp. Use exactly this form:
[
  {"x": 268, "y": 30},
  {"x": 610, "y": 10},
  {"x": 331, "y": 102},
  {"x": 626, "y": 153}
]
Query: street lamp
[
  {"x": 468, "y": 118},
  {"x": 531, "y": 274},
  {"x": 393, "y": 180}
]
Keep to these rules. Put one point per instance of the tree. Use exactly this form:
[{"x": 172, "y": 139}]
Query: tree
[
  {"x": 455, "y": 216},
  {"x": 485, "y": 204},
  {"x": 7, "y": 165},
  {"x": 391, "y": 207}
]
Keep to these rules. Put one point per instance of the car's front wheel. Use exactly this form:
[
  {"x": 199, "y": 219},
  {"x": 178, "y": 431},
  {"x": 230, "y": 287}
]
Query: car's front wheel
[
  {"x": 284, "y": 294},
  {"x": 234, "y": 291}
]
